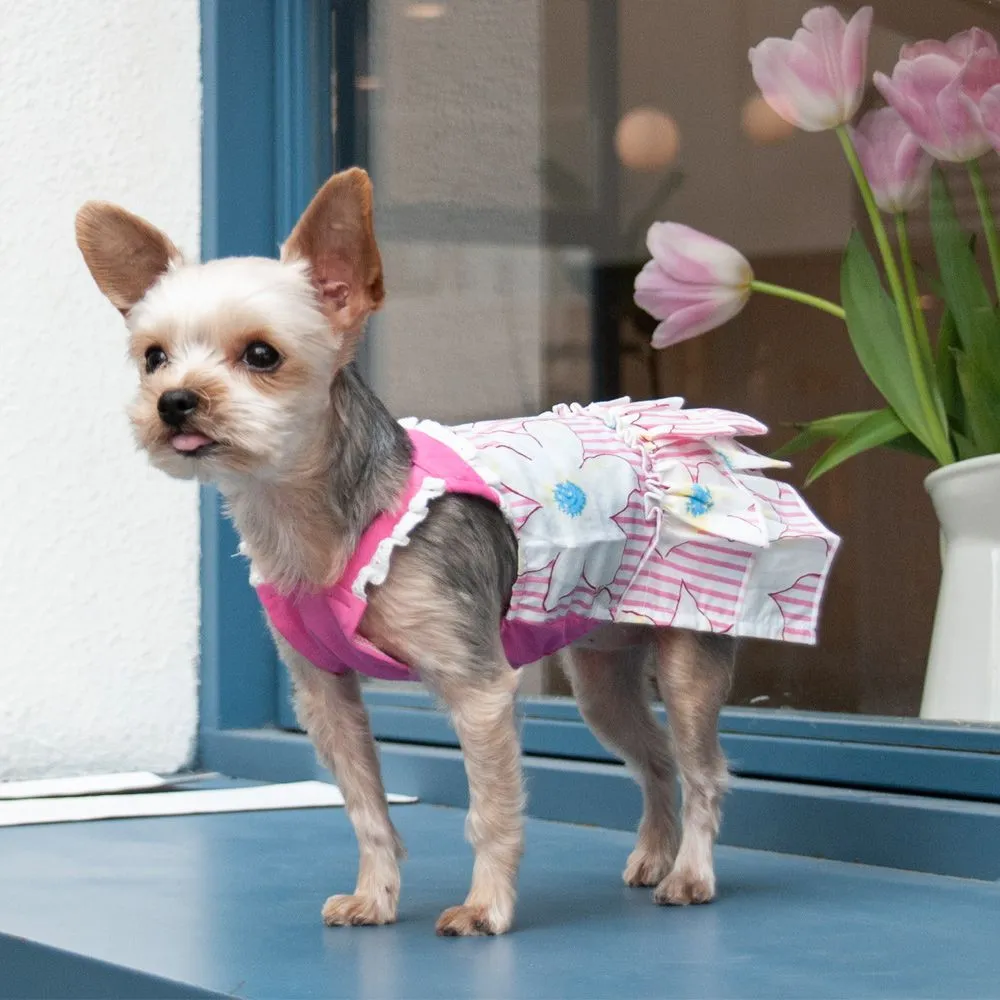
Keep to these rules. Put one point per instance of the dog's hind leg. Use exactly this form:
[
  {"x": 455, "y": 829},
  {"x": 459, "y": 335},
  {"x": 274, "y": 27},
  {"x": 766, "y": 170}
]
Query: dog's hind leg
[
  {"x": 614, "y": 698},
  {"x": 695, "y": 674}
]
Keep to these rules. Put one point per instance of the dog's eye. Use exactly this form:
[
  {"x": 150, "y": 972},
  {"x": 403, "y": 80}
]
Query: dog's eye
[
  {"x": 261, "y": 357},
  {"x": 156, "y": 357}
]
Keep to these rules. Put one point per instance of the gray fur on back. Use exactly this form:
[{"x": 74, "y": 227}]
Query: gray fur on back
[
  {"x": 371, "y": 454},
  {"x": 466, "y": 547}
]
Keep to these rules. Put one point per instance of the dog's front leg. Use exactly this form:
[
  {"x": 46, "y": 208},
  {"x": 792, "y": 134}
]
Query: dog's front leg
[
  {"x": 330, "y": 709},
  {"x": 483, "y": 713},
  {"x": 440, "y": 609}
]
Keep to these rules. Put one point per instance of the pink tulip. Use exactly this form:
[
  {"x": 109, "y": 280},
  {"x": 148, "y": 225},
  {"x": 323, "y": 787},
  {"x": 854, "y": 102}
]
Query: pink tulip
[
  {"x": 989, "y": 110},
  {"x": 896, "y": 165},
  {"x": 694, "y": 282},
  {"x": 936, "y": 87},
  {"x": 816, "y": 80}
]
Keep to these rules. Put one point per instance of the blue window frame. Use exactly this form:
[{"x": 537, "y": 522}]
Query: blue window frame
[
  {"x": 890, "y": 791},
  {"x": 267, "y": 77}
]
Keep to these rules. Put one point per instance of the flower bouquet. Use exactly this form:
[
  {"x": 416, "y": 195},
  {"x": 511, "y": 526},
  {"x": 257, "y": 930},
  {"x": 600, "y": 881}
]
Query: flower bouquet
[{"x": 941, "y": 391}]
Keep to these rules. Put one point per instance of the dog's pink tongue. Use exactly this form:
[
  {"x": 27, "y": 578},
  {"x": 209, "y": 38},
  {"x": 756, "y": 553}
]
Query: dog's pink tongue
[{"x": 189, "y": 442}]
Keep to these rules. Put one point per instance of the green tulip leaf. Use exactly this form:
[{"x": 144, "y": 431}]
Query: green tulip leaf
[
  {"x": 835, "y": 427},
  {"x": 944, "y": 365},
  {"x": 874, "y": 328},
  {"x": 964, "y": 447},
  {"x": 821, "y": 430},
  {"x": 911, "y": 446},
  {"x": 982, "y": 406},
  {"x": 875, "y": 430},
  {"x": 965, "y": 293}
]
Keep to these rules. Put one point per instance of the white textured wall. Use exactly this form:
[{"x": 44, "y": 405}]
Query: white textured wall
[{"x": 98, "y": 555}]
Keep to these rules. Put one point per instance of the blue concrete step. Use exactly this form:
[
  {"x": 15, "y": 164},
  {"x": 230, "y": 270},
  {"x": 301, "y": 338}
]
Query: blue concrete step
[{"x": 229, "y": 905}]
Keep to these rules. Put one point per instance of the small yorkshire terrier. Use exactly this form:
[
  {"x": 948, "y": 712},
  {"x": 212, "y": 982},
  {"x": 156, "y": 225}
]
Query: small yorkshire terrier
[{"x": 453, "y": 554}]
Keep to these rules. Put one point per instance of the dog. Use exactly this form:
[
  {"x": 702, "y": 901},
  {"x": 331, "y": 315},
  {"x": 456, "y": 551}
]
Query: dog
[{"x": 247, "y": 381}]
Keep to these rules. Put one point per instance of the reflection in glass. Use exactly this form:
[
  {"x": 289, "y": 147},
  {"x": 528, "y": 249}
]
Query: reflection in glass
[{"x": 521, "y": 150}]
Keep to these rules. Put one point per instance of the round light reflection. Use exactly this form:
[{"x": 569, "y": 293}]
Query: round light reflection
[
  {"x": 762, "y": 124},
  {"x": 647, "y": 139}
]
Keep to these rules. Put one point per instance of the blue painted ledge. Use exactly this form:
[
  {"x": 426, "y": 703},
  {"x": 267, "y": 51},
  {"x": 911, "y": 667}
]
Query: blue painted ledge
[
  {"x": 895, "y": 755},
  {"x": 229, "y": 906},
  {"x": 919, "y": 832}
]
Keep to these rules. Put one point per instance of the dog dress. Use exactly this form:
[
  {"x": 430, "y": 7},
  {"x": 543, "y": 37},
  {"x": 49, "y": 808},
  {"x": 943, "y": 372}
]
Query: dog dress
[{"x": 640, "y": 513}]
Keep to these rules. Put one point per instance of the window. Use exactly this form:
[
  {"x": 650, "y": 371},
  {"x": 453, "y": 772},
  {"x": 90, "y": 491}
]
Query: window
[
  {"x": 512, "y": 229},
  {"x": 520, "y": 152}
]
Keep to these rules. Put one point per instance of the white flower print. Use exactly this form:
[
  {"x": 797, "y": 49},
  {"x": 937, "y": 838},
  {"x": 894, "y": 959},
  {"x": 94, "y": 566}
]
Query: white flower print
[
  {"x": 688, "y": 614},
  {"x": 703, "y": 498},
  {"x": 568, "y": 519}
]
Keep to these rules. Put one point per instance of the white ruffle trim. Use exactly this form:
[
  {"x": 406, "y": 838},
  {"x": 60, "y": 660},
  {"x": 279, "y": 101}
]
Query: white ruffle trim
[
  {"x": 375, "y": 572},
  {"x": 465, "y": 450}
]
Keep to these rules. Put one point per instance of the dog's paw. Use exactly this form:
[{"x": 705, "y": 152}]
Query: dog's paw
[
  {"x": 646, "y": 867},
  {"x": 680, "y": 888},
  {"x": 357, "y": 911},
  {"x": 471, "y": 921}
]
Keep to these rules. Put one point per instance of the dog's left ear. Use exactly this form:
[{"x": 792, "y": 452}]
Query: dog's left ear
[{"x": 336, "y": 236}]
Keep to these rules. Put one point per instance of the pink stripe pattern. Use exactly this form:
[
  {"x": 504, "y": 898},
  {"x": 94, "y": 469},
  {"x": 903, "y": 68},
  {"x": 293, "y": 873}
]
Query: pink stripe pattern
[{"x": 679, "y": 525}]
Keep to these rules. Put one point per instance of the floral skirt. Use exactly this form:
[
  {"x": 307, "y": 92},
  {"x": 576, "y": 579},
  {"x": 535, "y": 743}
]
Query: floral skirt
[{"x": 647, "y": 513}]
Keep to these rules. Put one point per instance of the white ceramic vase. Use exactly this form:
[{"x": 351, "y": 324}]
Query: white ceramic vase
[{"x": 963, "y": 672}]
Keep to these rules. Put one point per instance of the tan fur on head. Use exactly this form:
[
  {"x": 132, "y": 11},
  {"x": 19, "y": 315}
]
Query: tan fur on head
[
  {"x": 125, "y": 254},
  {"x": 310, "y": 307},
  {"x": 260, "y": 435},
  {"x": 336, "y": 236}
]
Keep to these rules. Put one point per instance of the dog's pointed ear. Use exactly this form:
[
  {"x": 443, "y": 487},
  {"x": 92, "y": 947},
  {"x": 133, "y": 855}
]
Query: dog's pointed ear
[
  {"x": 125, "y": 254},
  {"x": 336, "y": 236}
]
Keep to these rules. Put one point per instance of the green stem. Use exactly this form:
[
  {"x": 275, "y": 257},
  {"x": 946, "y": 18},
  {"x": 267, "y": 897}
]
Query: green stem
[
  {"x": 913, "y": 289},
  {"x": 779, "y": 291},
  {"x": 989, "y": 223},
  {"x": 933, "y": 415}
]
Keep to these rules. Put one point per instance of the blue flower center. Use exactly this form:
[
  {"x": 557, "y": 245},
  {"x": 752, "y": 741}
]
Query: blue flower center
[
  {"x": 570, "y": 499},
  {"x": 700, "y": 500}
]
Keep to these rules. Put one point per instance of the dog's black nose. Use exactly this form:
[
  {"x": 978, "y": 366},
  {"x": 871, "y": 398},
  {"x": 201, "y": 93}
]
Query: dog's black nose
[{"x": 176, "y": 405}]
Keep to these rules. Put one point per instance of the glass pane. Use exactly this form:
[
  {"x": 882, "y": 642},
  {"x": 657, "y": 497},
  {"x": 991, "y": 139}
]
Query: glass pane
[{"x": 521, "y": 149}]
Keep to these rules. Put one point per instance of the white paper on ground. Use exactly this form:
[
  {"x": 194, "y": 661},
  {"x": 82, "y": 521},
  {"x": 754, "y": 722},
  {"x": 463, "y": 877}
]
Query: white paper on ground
[
  {"x": 294, "y": 795},
  {"x": 92, "y": 784}
]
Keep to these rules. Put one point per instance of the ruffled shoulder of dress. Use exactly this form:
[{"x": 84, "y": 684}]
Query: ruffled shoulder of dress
[
  {"x": 463, "y": 446},
  {"x": 376, "y": 570}
]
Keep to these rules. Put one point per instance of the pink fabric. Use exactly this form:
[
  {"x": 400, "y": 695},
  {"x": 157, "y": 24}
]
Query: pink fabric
[{"x": 323, "y": 626}]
